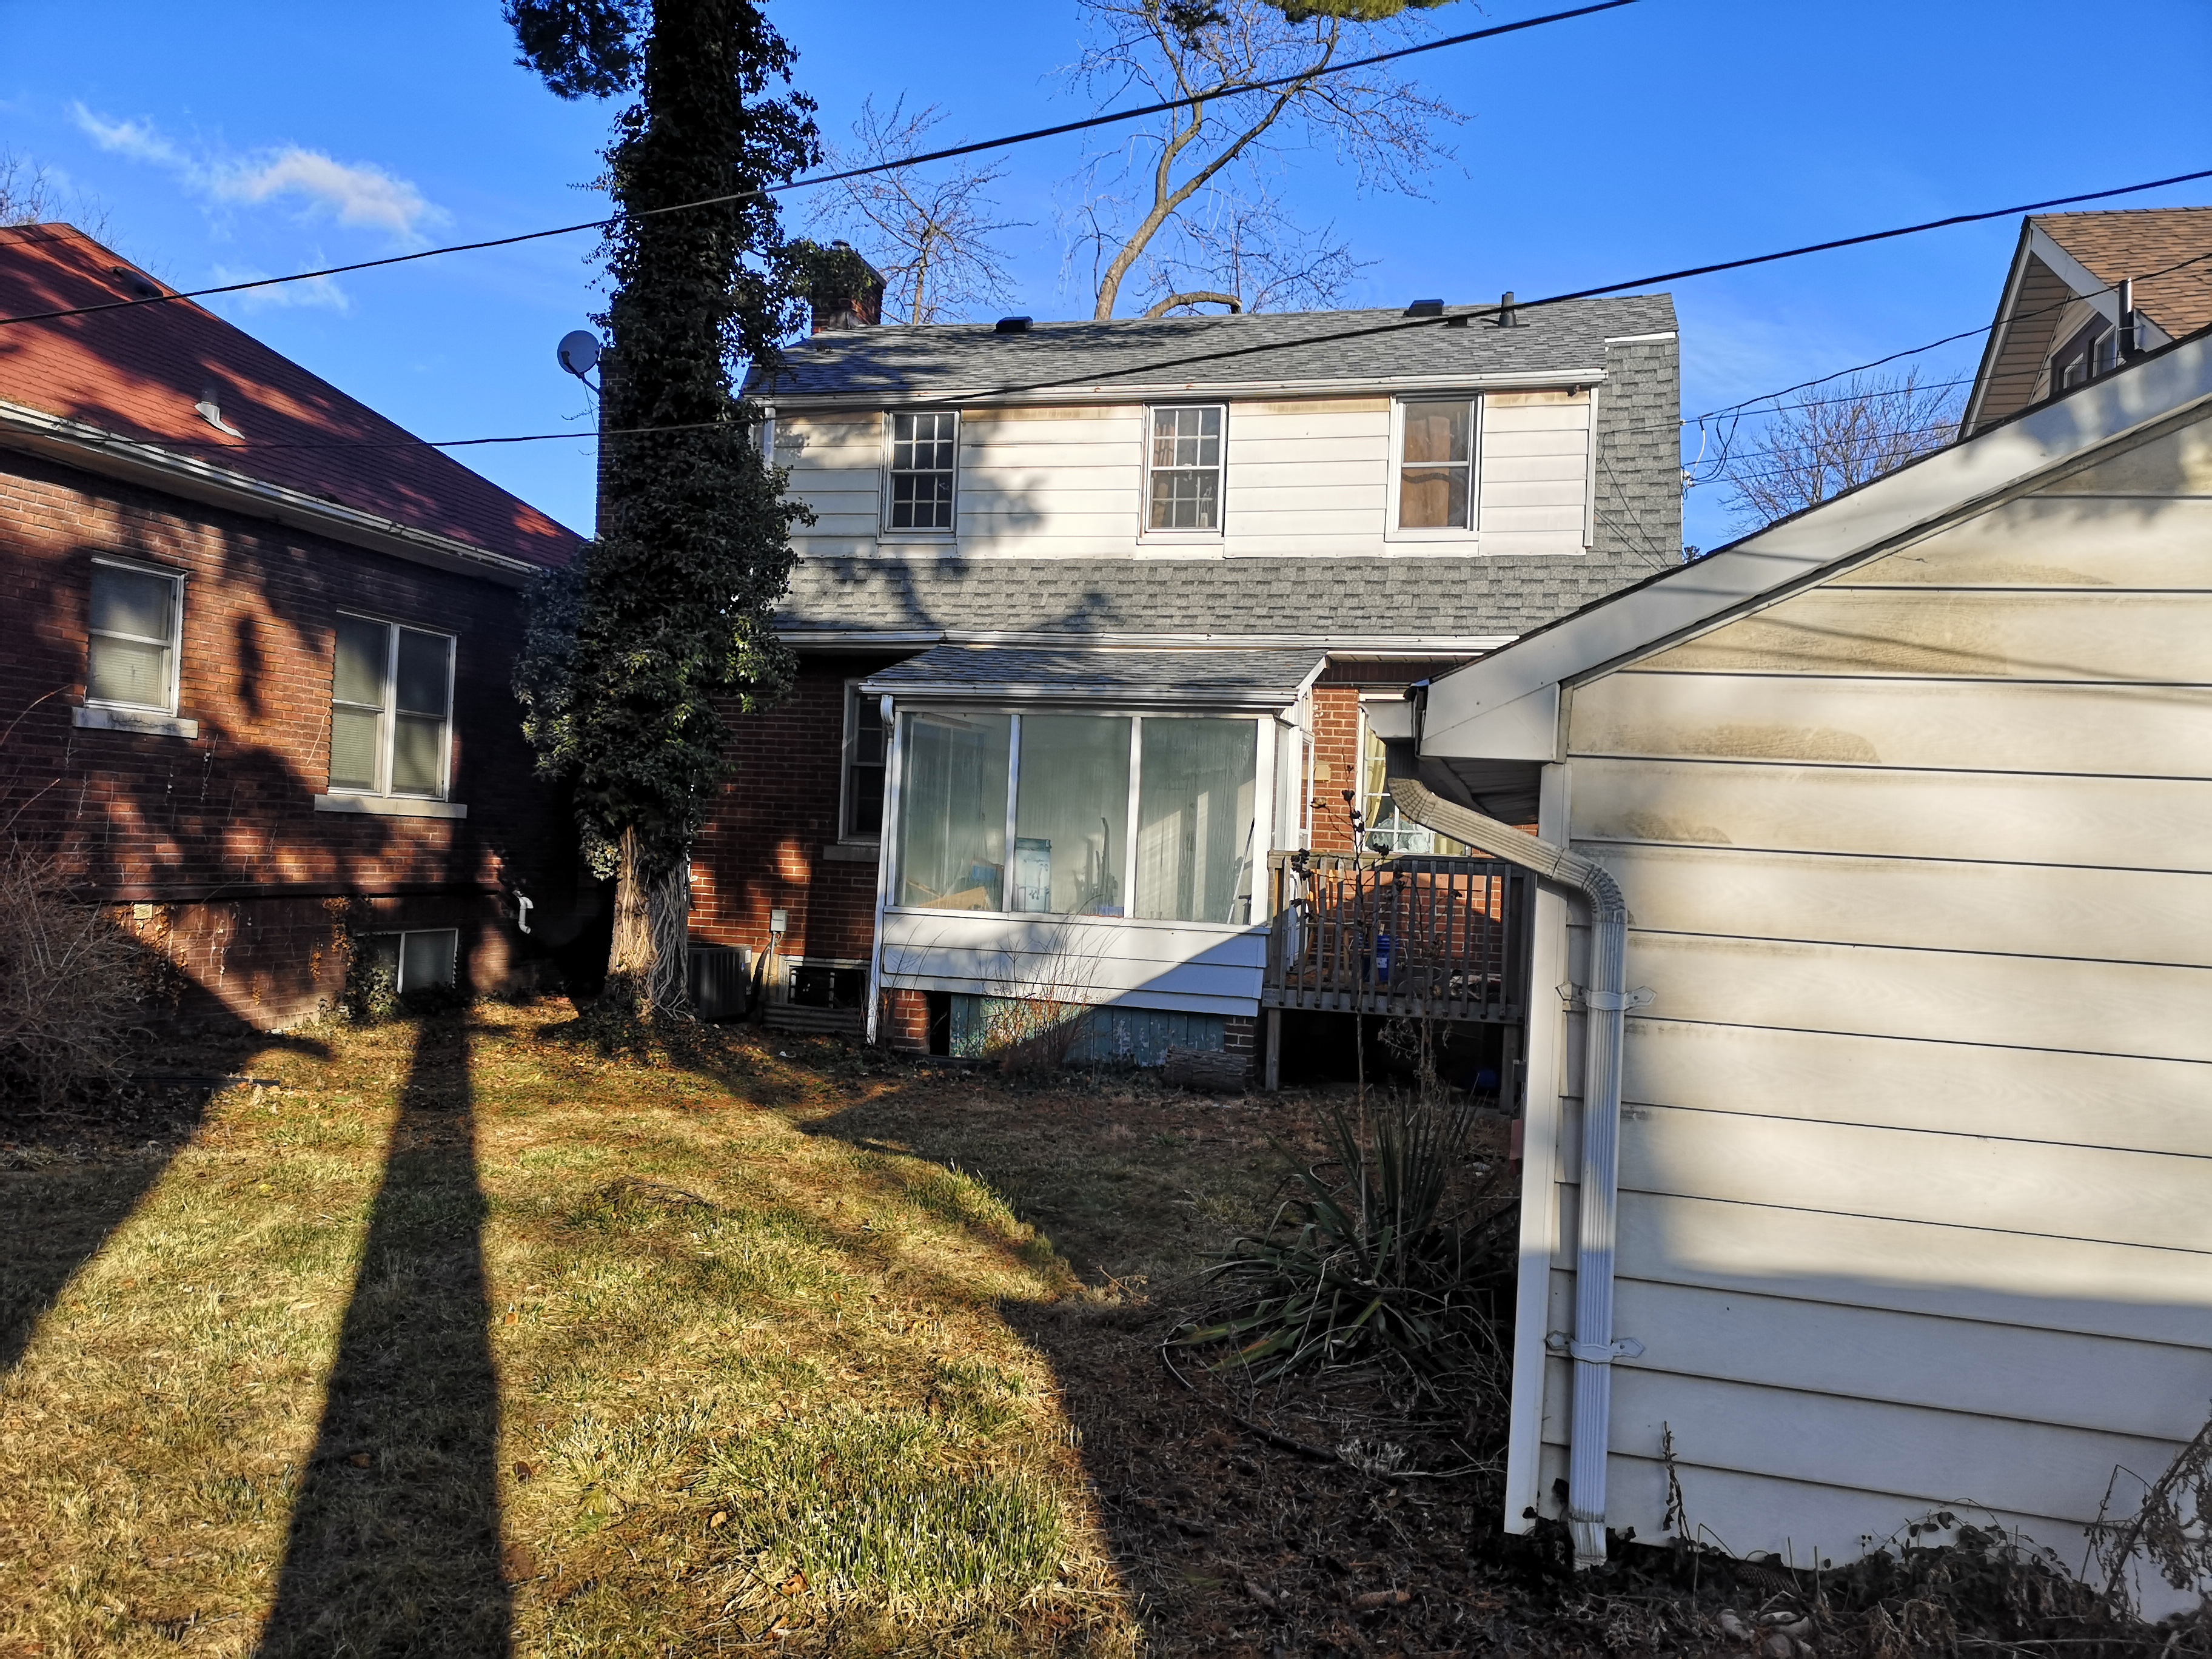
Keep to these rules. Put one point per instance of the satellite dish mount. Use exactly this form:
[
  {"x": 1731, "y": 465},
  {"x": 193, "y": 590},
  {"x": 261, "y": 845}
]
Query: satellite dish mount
[{"x": 579, "y": 352}]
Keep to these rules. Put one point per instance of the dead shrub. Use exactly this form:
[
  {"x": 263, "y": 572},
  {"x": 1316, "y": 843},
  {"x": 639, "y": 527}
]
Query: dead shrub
[{"x": 72, "y": 982}]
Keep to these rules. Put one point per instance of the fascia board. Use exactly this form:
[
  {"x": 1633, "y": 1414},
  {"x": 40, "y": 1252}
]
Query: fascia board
[
  {"x": 968, "y": 693},
  {"x": 1774, "y": 563},
  {"x": 2085, "y": 283},
  {"x": 89, "y": 448},
  {"x": 1133, "y": 393}
]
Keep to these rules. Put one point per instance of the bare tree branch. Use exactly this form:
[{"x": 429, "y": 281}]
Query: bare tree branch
[
  {"x": 930, "y": 235},
  {"x": 1816, "y": 447},
  {"x": 1134, "y": 215},
  {"x": 29, "y": 196}
]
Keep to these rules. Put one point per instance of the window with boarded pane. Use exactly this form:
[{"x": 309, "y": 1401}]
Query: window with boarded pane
[
  {"x": 392, "y": 694},
  {"x": 863, "y": 766},
  {"x": 132, "y": 650},
  {"x": 1185, "y": 467},
  {"x": 923, "y": 451},
  {"x": 1436, "y": 465}
]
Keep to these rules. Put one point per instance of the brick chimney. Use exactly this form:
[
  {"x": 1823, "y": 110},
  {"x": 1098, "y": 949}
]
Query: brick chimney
[{"x": 843, "y": 289}]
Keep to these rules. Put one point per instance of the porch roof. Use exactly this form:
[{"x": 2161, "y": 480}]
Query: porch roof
[{"x": 1251, "y": 679}]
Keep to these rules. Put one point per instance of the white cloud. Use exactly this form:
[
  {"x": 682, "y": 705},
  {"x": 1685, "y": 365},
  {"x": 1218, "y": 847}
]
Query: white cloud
[
  {"x": 361, "y": 194},
  {"x": 316, "y": 293}
]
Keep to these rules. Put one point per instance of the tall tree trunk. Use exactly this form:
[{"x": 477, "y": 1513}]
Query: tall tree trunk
[{"x": 646, "y": 960}]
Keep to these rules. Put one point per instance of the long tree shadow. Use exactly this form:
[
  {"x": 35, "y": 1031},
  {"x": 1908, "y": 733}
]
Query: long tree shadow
[{"x": 395, "y": 1538}]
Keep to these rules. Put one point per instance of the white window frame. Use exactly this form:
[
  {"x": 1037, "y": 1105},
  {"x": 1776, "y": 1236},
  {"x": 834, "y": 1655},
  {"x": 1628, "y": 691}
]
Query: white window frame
[
  {"x": 1145, "y": 533},
  {"x": 847, "y": 834},
  {"x": 176, "y": 581},
  {"x": 910, "y": 532},
  {"x": 1262, "y": 811},
  {"x": 388, "y": 722},
  {"x": 1461, "y": 534}
]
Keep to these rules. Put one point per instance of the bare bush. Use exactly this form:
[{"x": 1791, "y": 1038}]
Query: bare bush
[{"x": 72, "y": 981}]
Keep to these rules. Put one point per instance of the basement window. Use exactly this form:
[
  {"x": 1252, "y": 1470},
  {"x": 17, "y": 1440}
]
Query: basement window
[{"x": 417, "y": 960}]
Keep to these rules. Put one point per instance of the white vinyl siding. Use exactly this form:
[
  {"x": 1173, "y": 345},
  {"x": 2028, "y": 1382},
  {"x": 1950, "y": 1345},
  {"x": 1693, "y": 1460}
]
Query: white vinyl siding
[
  {"x": 1914, "y": 1130},
  {"x": 1310, "y": 477}
]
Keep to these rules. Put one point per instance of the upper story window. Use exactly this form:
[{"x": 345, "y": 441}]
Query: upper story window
[
  {"x": 1435, "y": 483},
  {"x": 862, "y": 815},
  {"x": 923, "y": 464},
  {"x": 1183, "y": 488},
  {"x": 392, "y": 699},
  {"x": 2094, "y": 350},
  {"x": 136, "y": 614}
]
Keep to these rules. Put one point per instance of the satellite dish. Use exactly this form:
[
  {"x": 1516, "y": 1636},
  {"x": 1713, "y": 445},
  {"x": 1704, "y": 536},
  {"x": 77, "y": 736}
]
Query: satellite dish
[{"x": 579, "y": 352}]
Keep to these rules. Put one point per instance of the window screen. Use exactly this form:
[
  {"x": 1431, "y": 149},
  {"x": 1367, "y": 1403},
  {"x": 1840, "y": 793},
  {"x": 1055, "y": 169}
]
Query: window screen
[
  {"x": 390, "y": 708},
  {"x": 1195, "y": 820},
  {"x": 1435, "y": 465},
  {"x": 1186, "y": 468},
  {"x": 952, "y": 851},
  {"x": 133, "y": 640},
  {"x": 1072, "y": 815},
  {"x": 923, "y": 450}
]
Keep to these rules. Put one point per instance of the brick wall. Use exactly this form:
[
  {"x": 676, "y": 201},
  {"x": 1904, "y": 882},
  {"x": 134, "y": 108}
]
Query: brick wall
[
  {"x": 1335, "y": 765},
  {"x": 219, "y": 831},
  {"x": 906, "y": 1020},
  {"x": 771, "y": 842}
]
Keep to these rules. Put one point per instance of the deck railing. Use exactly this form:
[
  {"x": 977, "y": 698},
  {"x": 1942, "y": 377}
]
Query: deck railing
[{"x": 1443, "y": 937}]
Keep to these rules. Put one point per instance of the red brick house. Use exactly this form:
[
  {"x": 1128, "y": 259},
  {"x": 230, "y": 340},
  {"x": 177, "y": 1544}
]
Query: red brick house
[{"x": 259, "y": 644}]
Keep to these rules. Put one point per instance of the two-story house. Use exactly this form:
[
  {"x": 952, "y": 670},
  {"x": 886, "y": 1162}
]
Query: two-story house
[
  {"x": 1092, "y": 616},
  {"x": 257, "y": 643}
]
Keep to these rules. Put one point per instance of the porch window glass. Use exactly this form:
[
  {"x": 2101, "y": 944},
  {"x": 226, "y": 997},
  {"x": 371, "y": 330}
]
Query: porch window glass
[
  {"x": 923, "y": 450},
  {"x": 133, "y": 638},
  {"x": 1072, "y": 815},
  {"x": 1437, "y": 465},
  {"x": 952, "y": 819},
  {"x": 1195, "y": 803}
]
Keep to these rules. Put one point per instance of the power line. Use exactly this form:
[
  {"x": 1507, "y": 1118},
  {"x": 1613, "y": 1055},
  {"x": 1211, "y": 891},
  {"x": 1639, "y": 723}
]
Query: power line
[{"x": 1211, "y": 95}]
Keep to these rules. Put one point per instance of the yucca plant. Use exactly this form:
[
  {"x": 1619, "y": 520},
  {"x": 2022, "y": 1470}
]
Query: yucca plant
[{"x": 1386, "y": 1255}]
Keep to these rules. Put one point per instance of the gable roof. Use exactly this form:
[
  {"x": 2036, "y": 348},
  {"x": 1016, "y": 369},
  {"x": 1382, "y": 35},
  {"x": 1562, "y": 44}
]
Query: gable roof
[
  {"x": 116, "y": 388},
  {"x": 2069, "y": 266},
  {"x": 1129, "y": 355},
  {"x": 1506, "y": 706}
]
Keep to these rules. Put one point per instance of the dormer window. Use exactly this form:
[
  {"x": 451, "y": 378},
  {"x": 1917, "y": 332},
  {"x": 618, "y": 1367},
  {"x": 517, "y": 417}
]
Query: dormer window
[{"x": 923, "y": 451}]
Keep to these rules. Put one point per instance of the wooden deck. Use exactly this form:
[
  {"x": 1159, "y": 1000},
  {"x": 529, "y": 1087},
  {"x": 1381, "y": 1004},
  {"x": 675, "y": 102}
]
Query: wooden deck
[{"x": 1417, "y": 937}]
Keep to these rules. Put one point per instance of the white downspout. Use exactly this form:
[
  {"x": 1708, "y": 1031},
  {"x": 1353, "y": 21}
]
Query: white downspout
[{"x": 1593, "y": 1346}]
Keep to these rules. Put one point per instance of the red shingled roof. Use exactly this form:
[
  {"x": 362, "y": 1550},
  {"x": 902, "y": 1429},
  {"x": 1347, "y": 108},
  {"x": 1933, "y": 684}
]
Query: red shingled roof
[
  {"x": 137, "y": 373},
  {"x": 2136, "y": 241}
]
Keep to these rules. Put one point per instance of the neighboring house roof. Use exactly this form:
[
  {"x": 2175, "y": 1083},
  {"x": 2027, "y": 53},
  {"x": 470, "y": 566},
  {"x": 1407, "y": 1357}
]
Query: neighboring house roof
[
  {"x": 2070, "y": 265},
  {"x": 1506, "y": 707},
  {"x": 1215, "y": 679},
  {"x": 117, "y": 390},
  {"x": 1264, "y": 350}
]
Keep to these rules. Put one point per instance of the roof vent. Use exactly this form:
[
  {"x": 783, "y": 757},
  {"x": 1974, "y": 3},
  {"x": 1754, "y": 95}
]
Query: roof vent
[
  {"x": 1506, "y": 315},
  {"x": 130, "y": 279},
  {"x": 1012, "y": 325},
  {"x": 1425, "y": 308},
  {"x": 209, "y": 409}
]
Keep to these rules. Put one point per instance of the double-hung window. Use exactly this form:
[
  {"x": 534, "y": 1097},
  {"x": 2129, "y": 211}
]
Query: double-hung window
[
  {"x": 924, "y": 462},
  {"x": 861, "y": 816},
  {"x": 1183, "y": 468},
  {"x": 392, "y": 698},
  {"x": 133, "y": 651},
  {"x": 1433, "y": 491}
]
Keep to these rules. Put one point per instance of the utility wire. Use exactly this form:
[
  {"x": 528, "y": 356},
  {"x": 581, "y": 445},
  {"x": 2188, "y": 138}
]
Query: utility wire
[{"x": 1213, "y": 94}]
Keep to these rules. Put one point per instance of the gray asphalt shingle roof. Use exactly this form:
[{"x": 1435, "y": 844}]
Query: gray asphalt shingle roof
[
  {"x": 1254, "y": 678},
  {"x": 1267, "y": 347}
]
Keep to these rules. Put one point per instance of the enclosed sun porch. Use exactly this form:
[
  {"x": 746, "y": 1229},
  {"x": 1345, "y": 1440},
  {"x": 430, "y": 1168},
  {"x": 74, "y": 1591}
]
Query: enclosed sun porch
[{"x": 1109, "y": 850}]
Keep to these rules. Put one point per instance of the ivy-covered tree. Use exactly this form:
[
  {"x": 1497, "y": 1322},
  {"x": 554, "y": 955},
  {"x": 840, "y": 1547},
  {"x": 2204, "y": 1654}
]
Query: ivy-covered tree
[{"x": 633, "y": 653}]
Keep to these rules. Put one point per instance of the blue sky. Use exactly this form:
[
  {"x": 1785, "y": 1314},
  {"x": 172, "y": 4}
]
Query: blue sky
[{"x": 232, "y": 140}]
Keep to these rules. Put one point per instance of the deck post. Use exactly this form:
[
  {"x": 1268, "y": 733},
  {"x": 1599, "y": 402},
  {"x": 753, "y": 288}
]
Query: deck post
[{"x": 1274, "y": 1073}]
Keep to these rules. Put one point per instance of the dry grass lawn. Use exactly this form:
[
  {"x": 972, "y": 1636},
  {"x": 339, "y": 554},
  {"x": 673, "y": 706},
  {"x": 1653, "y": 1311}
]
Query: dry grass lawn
[{"x": 460, "y": 1338}]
